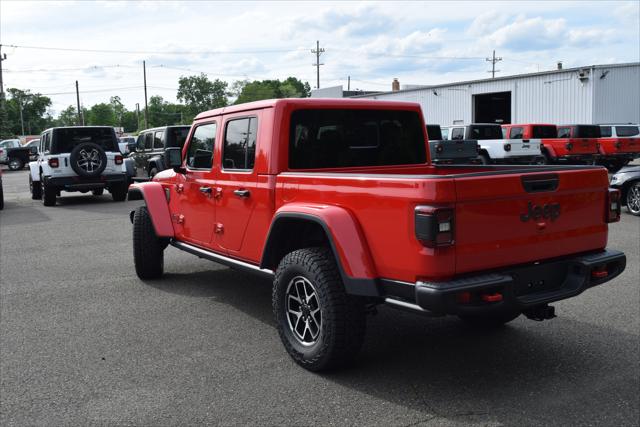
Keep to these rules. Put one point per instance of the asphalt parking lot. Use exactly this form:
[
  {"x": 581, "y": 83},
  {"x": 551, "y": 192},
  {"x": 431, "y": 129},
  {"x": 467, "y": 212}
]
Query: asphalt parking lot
[{"x": 84, "y": 341}]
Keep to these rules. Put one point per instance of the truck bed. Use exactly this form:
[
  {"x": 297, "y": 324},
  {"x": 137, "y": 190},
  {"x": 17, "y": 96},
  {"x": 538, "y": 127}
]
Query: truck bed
[{"x": 490, "y": 203}]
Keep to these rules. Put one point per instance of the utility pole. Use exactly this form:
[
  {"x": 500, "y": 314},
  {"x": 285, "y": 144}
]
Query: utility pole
[
  {"x": 348, "y": 82},
  {"x": 78, "y": 101},
  {"x": 146, "y": 109},
  {"x": 318, "y": 51},
  {"x": 137, "y": 115},
  {"x": 21, "y": 119},
  {"x": 493, "y": 64},
  {"x": 3, "y": 57}
]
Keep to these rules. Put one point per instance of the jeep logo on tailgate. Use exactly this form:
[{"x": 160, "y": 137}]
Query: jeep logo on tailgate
[{"x": 547, "y": 211}]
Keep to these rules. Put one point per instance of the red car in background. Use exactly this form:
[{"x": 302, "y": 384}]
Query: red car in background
[
  {"x": 574, "y": 144},
  {"x": 618, "y": 145}
]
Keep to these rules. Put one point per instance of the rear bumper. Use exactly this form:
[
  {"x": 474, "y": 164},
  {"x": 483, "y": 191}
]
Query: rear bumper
[
  {"x": 520, "y": 288},
  {"x": 77, "y": 183}
]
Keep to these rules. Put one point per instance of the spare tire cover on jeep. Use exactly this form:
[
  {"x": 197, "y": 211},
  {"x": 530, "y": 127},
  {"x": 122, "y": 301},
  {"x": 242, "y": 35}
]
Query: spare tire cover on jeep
[{"x": 88, "y": 159}]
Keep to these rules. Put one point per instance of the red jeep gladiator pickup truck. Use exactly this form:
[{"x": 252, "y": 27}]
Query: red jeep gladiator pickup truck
[
  {"x": 576, "y": 147},
  {"x": 618, "y": 145},
  {"x": 337, "y": 201}
]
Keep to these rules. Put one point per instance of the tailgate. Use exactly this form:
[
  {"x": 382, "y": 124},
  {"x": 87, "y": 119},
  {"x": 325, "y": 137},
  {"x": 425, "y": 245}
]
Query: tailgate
[
  {"x": 518, "y": 218},
  {"x": 523, "y": 147},
  {"x": 583, "y": 146},
  {"x": 456, "y": 149}
]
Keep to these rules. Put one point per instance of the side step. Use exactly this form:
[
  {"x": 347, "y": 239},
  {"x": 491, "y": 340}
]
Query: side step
[{"x": 221, "y": 259}]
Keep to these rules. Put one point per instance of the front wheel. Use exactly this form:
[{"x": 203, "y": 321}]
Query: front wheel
[
  {"x": 320, "y": 326},
  {"x": 35, "y": 187},
  {"x": 633, "y": 199},
  {"x": 148, "y": 248},
  {"x": 49, "y": 195},
  {"x": 15, "y": 164}
]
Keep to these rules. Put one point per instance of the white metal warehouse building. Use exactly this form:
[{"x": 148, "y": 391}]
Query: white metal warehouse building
[{"x": 585, "y": 95}]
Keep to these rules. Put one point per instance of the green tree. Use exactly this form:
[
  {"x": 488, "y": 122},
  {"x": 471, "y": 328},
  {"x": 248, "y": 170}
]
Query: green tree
[
  {"x": 199, "y": 94},
  {"x": 246, "y": 91},
  {"x": 68, "y": 117},
  {"x": 118, "y": 109},
  {"x": 162, "y": 113},
  {"x": 32, "y": 107},
  {"x": 101, "y": 115}
]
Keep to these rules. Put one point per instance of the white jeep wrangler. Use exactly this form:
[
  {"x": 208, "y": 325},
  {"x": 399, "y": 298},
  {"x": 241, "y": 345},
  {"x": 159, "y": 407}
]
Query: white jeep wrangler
[{"x": 83, "y": 158}]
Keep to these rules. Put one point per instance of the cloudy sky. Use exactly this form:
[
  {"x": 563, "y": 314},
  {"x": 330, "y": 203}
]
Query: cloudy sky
[{"x": 103, "y": 44}]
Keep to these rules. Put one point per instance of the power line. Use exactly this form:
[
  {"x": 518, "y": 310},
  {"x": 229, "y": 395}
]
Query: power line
[
  {"x": 53, "y": 70},
  {"x": 163, "y": 52}
]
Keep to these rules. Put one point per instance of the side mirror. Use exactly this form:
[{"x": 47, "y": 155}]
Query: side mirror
[
  {"x": 132, "y": 147},
  {"x": 173, "y": 156}
]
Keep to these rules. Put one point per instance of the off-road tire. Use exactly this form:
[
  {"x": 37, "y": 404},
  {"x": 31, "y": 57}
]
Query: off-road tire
[
  {"x": 343, "y": 316},
  {"x": 15, "y": 164},
  {"x": 98, "y": 192},
  {"x": 633, "y": 205},
  {"x": 490, "y": 321},
  {"x": 118, "y": 192},
  {"x": 74, "y": 158},
  {"x": 49, "y": 194},
  {"x": 148, "y": 249},
  {"x": 35, "y": 187},
  {"x": 484, "y": 159},
  {"x": 152, "y": 173}
]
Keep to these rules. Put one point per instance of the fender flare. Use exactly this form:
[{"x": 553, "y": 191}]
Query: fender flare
[
  {"x": 154, "y": 197},
  {"x": 156, "y": 161},
  {"x": 345, "y": 236},
  {"x": 34, "y": 170},
  {"x": 549, "y": 149}
]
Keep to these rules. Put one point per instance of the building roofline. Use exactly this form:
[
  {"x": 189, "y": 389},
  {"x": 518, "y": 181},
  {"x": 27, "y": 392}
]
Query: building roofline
[{"x": 511, "y": 77}]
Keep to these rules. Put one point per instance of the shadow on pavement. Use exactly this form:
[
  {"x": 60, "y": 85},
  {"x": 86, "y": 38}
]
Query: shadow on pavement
[{"x": 524, "y": 373}]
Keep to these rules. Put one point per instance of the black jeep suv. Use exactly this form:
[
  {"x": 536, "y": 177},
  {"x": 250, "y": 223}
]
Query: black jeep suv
[{"x": 149, "y": 150}]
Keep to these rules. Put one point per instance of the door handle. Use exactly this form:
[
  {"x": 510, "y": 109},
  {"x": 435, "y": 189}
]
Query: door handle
[
  {"x": 242, "y": 193},
  {"x": 205, "y": 190}
]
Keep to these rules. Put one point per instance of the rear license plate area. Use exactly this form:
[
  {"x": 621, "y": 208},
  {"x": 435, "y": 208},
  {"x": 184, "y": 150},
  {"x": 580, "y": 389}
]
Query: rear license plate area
[{"x": 539, "y": 278}]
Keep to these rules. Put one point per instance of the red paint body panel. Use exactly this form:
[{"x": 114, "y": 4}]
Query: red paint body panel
[
  {"x": 557, "y": 147},
  {"x": 156, "y": 201},
  {"x": 618, "y": 146},
  {"x": 369, "y": 211}
]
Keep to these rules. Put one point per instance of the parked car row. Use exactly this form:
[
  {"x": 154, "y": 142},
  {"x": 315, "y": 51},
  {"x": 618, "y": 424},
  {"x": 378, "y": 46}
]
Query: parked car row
[{"x": 609, "y": 145}]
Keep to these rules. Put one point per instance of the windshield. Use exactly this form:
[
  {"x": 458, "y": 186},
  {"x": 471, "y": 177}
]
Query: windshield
[
  {"x": 66, "y": 139},
  {"x": 177, "y": 136},
  {"x": 485, "y": 132},
  {"x": 544, "y": 132},
  {"x": 349, "y": 138}
]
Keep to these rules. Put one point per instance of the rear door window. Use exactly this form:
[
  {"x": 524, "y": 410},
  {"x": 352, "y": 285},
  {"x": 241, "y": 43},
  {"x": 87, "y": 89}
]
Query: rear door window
[
  {"x": 544, "y": 132},
  {"x": 148, "y": 141},
  {"x": 587, "y": 131},
  {"x": 564, "y": 132},
  {"x": 605, "y": 131},
  {"x": 157, "y": 139},
  {"x": 175, "y": 137},
  {"x": 483, "y": 132},
  {"x": 457, "y": 133},
  {"x": 627, "y": 131},
  {"x": 516, "y": 133},
  {"x": 239, "y": 150}
]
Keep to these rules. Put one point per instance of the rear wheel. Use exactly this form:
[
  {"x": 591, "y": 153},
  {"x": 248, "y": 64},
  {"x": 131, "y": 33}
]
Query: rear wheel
[
  {"x": 484, "y": 159},
  {"x": 35, "y": 188},
  {"x": 633, "y": 199},
  {"x": 320, "y": 326},
  {"x": 490, "y": 321},
  {"x": 148, "y": 249},
  {"x": 97, "y": 191},
  {"x": 118, "y": 192},
  {"x": 152, "y": 173},
  {"x": 15, "y": 164},
  {"x": 49, "y": 194}
]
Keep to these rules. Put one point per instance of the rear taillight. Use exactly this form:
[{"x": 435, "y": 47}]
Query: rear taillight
[
  {"x": 439, "y": 148},
  {"x": 569, "y": 146},
  {"x": 613, "y": 205},
  {"x": 118, "y": 160},
  {"x": 507, "y": 147},
  {"x": 53, "y": 162},
  {"x": 434, "y": 226}
]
